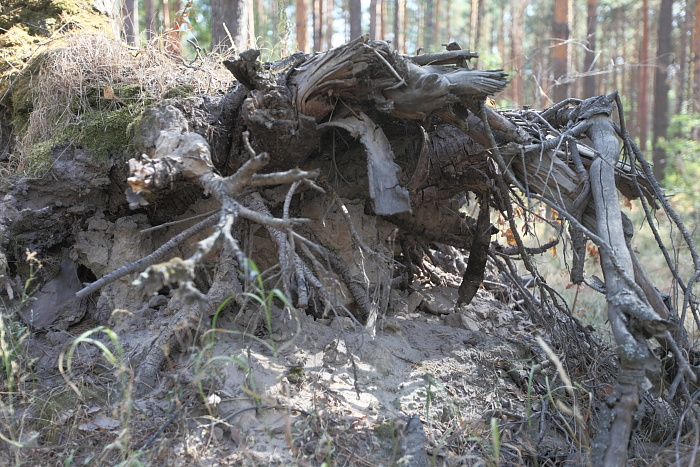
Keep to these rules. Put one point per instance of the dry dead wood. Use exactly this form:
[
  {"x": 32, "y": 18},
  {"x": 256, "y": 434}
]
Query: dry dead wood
[{"x": 427, "y": 137}]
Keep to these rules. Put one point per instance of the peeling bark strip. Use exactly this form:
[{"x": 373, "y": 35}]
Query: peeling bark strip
[{"x": 384, "y": 189}]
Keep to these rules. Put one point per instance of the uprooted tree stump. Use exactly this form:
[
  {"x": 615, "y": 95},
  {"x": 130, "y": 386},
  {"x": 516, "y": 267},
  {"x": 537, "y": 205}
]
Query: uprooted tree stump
[{"x": 353, "y": 159}]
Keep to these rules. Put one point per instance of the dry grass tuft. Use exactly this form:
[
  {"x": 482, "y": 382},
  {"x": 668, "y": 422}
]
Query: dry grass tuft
[{"x": 79, "y": 73}]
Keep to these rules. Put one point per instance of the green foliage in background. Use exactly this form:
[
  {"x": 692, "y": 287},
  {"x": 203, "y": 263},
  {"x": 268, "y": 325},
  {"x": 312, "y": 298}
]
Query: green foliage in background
[{"x": 683, "y": 173}]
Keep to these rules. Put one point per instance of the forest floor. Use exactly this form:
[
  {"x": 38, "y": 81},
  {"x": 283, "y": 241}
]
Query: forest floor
[{"x": 323, "y": 391}]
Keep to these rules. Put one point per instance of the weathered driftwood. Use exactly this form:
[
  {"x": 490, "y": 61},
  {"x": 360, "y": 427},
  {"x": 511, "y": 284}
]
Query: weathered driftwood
[{"x": 367, "y": 72}]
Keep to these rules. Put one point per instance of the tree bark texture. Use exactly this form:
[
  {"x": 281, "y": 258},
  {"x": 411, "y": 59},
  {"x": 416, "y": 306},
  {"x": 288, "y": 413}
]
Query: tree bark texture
[
  {"x": 318, "y": 24},
  {"x": 399, "y": 25},
  {"x": 382, "y": 13},
  {"x": 329, "y": 12},
  {"x": 429, "y": 26},
  {"x": 696, "y": 57},
  {"x": 302, "y": 29},
  {"x": 682, "y": 61},
  {"x": 373, "y": 19},
  {"x": 473, "y": 24},
  {"x": 151, "y": 19},
  {"x": 516, "y": 51},
  {"x": 166, "y": 9},
  {"x": 438, "y": 20},
  {"x": 130, "y": 21},
  {"x": 355, "y": 19}
]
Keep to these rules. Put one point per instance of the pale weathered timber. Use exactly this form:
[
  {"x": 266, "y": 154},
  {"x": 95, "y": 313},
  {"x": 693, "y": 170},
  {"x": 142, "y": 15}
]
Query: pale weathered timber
[
  {"x": 369, "y": 72},
  {"x": 631, "y": 317}
]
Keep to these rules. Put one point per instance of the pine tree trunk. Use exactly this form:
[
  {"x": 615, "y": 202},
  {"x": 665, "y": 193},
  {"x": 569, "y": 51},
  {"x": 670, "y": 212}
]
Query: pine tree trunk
[
  {"x": 516, "y": 51},
  {"x": 420, "y": 15},
  {"x": 501, "y": 36},
  {"x": 617, "y": 71},
  {"x": 382, "y": 20},
  {"x": 233, "y": 14},
  {"x": 682, "y": 63},
  {"x": 448, "y": 22},
  {"x": 318, "y": 24},
  {"x": 474, "y": 24},
  {"x": 167, "y": 17},
  {"x": 404, "y": 21},
  {"x": 302, "y": 27},
  {"x": 479, "y": 26},
  {"x": 643, "y": 97},
  {"x": 560, "y": 50},
  {"x": 696, "y": 57},
  {"x": 437, "y": 30},
  {"x": 429, "y": 26},
  {"x": 661, "y": 88},
  {"x": 355, "y": 19},
  {"x": 130, "y": 21},
  {"x": 399, "y": 25},
  {"x": 329, "y": 9},
  {"x": 151, "y": 20},
  {"x": 260, "y": 16},
  {"x": 629, "y": 76},
  {"x": 589, "y": 82}
]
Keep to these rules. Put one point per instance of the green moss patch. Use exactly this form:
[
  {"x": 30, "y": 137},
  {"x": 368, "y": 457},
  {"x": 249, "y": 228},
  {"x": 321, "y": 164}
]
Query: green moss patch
[
  {"x": 185, "y": 90},
  {"x": 101, "y": 133},
  {"x": 104, "y": 134},
  {"x": 37, "y": 16},
  {"x": 58, "y": 87}
]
